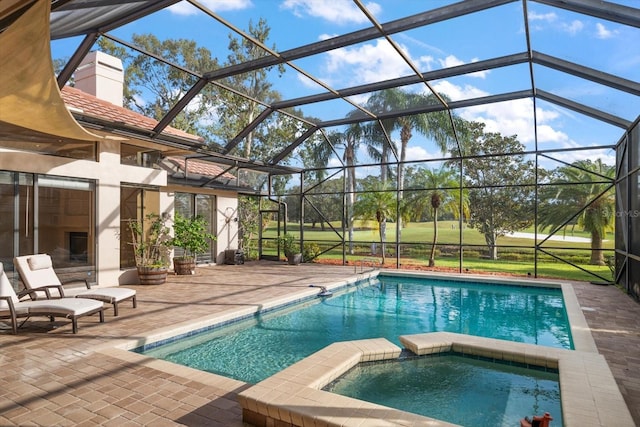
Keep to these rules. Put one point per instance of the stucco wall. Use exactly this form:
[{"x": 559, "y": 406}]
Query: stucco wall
[
  {"x": 108, "y": 174},
  {"x": 226, "y": 224}
]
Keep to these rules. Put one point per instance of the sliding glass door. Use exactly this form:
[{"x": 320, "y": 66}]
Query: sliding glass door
[
  {"x": 48, "y": 214},
  {"x": 189, "y": 205}
]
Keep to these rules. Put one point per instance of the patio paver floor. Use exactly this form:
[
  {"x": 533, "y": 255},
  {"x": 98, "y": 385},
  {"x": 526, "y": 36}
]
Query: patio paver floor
[{"x": 53, "y": 377}]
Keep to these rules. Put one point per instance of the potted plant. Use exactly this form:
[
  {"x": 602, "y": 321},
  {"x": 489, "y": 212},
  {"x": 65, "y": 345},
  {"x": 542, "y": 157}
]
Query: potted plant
[
  {"x": 151, "y": 246},
  {"x": 291, "y": 248},
  {"x": 191, "y": 235}
]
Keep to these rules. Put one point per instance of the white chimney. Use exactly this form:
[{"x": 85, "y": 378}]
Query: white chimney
[{"x": 101, "y": 75}]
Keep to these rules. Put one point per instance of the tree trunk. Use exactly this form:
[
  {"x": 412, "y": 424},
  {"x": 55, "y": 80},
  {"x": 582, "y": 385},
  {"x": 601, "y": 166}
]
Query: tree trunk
[
  {"x": 491, "y": 239},
  {"x": 249, "y": 139},
  {"x": 432, "y": 257},
  {"x": 351, "y": 179},
  {"x": 597, "y": 256},
  {"x": 382, "y": 227},
  {"x": 405, "y": 136}
]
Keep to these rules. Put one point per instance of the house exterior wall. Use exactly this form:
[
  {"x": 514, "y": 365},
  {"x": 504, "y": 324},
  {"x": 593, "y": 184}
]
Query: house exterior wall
[
  {"x": 108, "y": 174},
  {"x": 226, "y": 229}
]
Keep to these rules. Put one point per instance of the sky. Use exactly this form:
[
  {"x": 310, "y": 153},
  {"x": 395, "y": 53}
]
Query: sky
[{"x": 588, "y": 41}]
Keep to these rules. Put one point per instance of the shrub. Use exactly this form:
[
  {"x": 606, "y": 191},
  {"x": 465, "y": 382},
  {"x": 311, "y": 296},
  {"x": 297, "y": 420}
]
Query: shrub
[
  {"x": 191, "y": 235},
  {"x": 310, "y": 251}
]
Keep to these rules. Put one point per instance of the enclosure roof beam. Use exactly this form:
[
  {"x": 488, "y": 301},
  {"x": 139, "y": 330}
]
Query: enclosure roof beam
[
  {"x": 247, "y": 130},
  {"x": 399, "y": 25},
  {"x": 75, "y": 60},
  {"x": 600, "y": 9},
  {"x": 472, "y": 67},
  {"x": 74, "y": 12},
  {"x": 284, "y": 153},
  {"x": 596, "y": 76},
  {"x": 431, "y": 108},
  {"x": 180, "y": 105},
  {"x": 581, "y": 108}
]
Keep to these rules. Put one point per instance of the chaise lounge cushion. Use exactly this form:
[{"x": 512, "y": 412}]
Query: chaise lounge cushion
[
  {"x": 39, "y": 262},
  {"x": 6, "y": 290},
  {"x": 108, "y": 295},
  {"x": 37, "y": 272},
  {"x": 11, "y": 307},
  {"x": 66, "y": 307}
]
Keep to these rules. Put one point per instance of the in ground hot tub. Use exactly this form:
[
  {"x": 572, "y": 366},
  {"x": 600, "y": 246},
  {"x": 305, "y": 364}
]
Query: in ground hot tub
[
  {"x": 461, "y": 389},
  {"x": 295, "y": 395}
]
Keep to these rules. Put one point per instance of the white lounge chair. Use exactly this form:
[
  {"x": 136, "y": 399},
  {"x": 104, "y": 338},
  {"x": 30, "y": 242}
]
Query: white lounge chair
[
  {"x": 11, "y": 307},
  {"x": 37, "y": 273}
]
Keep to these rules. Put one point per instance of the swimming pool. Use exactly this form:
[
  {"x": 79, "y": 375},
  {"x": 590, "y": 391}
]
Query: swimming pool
[
  {"x": 255, "y": 349},
  {"x": 451, "y": 387}
]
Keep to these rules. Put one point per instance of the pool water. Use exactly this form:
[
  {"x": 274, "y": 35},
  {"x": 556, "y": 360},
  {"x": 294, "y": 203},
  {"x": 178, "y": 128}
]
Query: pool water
[
  {"x": 253, "y": 350},
  {"x": 460, "y": 390}
]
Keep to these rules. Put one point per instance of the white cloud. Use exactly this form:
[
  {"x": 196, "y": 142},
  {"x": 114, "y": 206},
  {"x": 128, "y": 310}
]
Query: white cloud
[
  {"x": 603, "y": 32},
  {"x": 545, "y": 116},
  {"x": 366, "y": 63},
  {"x": 452, "y": 61},
  {"x": 539, "y": 21},
  {"x": 607, "y": 156},
  {"x": 510, "y": 117},
  {"x": 455, "y": 92},
  {"x": 573, "y": 28},
  {"x": 377, "y": 61},
  {"x": 426, "y": 61},
  {"x": 419, "y": 153},
  {"x": 334, "y": 162},
  {"x": 336, "y": 11},
  {"x": 322, "y": 37},
  {"x": 186, "y": 8},
  {"x": 546, "y": 17},
  {"x": 546, "y": 133}
]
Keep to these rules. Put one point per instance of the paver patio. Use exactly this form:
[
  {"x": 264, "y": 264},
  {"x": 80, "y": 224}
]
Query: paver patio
[{"x": 53, "y": 377}]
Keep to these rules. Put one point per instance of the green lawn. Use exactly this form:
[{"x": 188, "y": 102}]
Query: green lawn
[
  {"x": 416, "y": 242},
  {"x": 422, "y": 232}
]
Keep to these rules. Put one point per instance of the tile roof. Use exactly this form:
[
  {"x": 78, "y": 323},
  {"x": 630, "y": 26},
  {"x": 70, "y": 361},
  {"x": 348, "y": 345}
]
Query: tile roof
[
  {"x": 200, "y": 167},
  {"x": 98, "y": 108}
]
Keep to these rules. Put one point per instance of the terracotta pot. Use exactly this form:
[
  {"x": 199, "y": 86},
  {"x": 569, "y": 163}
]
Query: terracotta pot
[
  {"x": 184, "y": 266},
  {"x": 152, "y": 275}
]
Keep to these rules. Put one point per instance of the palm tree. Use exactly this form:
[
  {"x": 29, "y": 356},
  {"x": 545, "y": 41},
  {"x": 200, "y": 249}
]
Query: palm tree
[
  {"x": 434, "y": 125},
  {"x": 439, "y": 191},
  {"x": 378, "y": 147},
  {"x": 377, "y": 201},
  {"x": 585, "y": 189},
  {"x": 350, "y": 140}
]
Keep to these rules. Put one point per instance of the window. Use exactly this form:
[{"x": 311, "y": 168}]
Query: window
[
  {"x": 139, "y": 156},
  {"x": 135, "y": 204},
  {"x": 189, "y": 205},
  {"x": 74, "y": 150},
  {"x": 48, "y": 214},
  {"x": 65, "y": 220}
]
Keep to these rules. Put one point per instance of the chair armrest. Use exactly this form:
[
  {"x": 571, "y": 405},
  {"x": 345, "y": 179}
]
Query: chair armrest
[
  {"x": 85, "y": 281},
  {"x": 31, "y": 292},
  {"x": 34, "y": 295}
]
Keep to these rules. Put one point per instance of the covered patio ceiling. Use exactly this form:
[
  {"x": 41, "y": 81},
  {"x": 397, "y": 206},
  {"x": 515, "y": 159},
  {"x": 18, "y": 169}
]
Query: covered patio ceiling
[{"x": 88, "y": 20}]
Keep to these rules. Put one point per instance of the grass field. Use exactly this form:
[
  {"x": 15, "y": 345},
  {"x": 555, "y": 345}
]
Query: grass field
[{"x": 516, "y": 255}]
